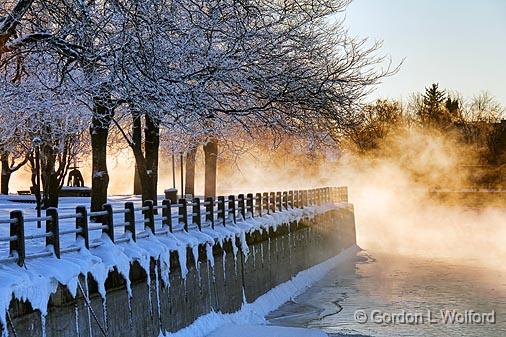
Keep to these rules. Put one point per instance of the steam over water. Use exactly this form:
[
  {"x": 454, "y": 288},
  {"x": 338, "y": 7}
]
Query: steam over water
[{"x": 389, "y": 287}]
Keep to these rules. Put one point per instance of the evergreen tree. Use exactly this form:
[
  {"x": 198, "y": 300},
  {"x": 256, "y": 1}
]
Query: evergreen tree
[{"x": 434, "y": 112}]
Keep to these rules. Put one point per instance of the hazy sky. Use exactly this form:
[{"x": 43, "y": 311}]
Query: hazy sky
[{"x": 460, "y": 44}]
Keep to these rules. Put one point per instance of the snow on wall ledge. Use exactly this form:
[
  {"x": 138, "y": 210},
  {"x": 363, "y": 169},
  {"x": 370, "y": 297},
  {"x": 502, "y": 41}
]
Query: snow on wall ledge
[{"x": 41, "y": 277}]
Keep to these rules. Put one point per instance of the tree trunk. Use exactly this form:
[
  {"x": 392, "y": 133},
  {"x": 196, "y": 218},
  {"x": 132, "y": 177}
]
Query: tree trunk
[
  {"x": 6, "y": 174},
  {"x": 189, "y": 187},
  {"x": 49, "y": 177},
  {"x": 99, "y": 131},
  {"x": 211, "y": 156},
  {"x": 151, "y": 147},
  {"x": 137, "y": 139}
]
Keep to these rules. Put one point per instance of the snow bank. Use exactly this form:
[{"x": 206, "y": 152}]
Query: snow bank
[
  {"x": 217, "y": 324},
  {"x": 40, "y": 277}
]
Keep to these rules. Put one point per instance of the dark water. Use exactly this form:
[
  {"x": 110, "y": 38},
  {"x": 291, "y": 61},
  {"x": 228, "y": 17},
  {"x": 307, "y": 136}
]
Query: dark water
[{"x": 402, "y": 296}]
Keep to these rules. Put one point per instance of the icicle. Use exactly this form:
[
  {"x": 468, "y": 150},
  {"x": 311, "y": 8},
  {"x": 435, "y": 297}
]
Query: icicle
[
  {"x": 104, "y": 308},
  {"x": 224, "y": 265},
  {"x": 76, "y": 315},
  {"x": 130, "y": 313},
  {"x": 262, "y": 252},
  {"x": 87, "y": 294},
  {"x": 157, "y": 284},
  {"x": 195, "y": 251},
  {"x": 43, "y": 324},
  {"x": 269, "y": 248}
]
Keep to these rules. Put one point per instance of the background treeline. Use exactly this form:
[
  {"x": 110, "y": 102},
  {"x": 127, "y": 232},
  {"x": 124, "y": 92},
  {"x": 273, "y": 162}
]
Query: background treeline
[{"x": 474, "y": 129}]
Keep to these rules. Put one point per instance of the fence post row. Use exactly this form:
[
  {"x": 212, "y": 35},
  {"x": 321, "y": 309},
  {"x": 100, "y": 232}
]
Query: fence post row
[
  {"x": 251, "y": 205},
  {"x": 82, "y": 224},
  {"x": 17, "y": 229}
]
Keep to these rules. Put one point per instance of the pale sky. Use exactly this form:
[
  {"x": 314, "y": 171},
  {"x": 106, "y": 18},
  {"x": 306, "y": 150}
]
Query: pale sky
[{"x": 460, "y": 44}]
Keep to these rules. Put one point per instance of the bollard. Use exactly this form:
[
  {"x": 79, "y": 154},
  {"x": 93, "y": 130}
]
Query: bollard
[
  {"x": 171, "y": 194},
  {"x": 231, "y": 207},
  {"x": 53, "y": 227},
  {"x": 210, "y": 211},
  {"x": 221, "y": 210},
  {"x": 183, "y": 213},
  {"x": 108, "y": 220},
  {"x": 130, "y": 219},
  {"x": 149, "y": 217},
  {"x": 249, "y": 205},
  {"x": 82, "y": 223},
  {"x": 258, "y": 203},
  {"x": 196, "y": 215},
  {"x": 17, "y": 229},
  {"x": 241, "y": 206}
]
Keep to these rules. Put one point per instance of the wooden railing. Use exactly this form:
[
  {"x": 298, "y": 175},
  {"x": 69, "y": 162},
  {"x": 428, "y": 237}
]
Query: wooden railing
[{"x": 176, "y": 216}]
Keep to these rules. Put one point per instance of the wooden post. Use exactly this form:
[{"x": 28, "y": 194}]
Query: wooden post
[
  {"x": 108, "y": 220},
  {"x": 17, "y": 229},
  {"x": 196, "y": 215},
  {"x": 278, "y": 201},
  {"x": 285, "y": 200},
  {"x": 221, "y": 210},
  {"x": 291, "y": 199},
  {"x": 167, "y": 213},
  {"x": 266, "y": 203},
  {"x": 130, "y": 219},
  {"x": 53, "y": 227},
  {"x": 149, "y": 218},
  {"x": 210, "y": 211},
  {"x": 82, "y": 223},
  {"x": 183, "y": 213},
  {"x": 241, "y": 205},
  {"x": 272, "y": 202},
  {"x": 249, "y": 205},
  {"x": 231, "y": 207},
  {"x": 305, "y": 198},
  {"x": 258, "y": 203}
]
